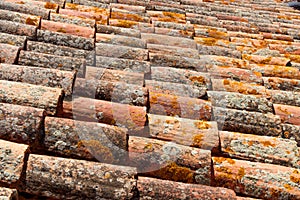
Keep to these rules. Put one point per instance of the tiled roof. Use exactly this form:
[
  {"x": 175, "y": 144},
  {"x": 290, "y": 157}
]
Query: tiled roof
[{"x": 149, "y": 99}]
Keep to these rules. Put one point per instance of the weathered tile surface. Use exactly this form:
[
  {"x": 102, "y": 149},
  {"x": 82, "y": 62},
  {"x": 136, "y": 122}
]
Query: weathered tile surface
[
  {"x": 87, "y": 140},
  {"x": 78, "y": 179},
  {"x": 170, "y": 161},
  {"x": 36, "y": 96},
  {"x": 12, "y": 161},
  {"x": 151, "y": 188}
]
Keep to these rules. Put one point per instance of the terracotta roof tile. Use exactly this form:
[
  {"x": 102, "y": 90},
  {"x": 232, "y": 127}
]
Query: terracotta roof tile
[
  {"x": 242, "y": 75},
  {"x": 12, "y": 161},
  {"x": 142, "y": 27},
  {"x": 99, "y": 14},
  {"x": 8, "y": 53},
  {"x": 15, "y": 40},
  {"x": 257, "y": 123},
  {"x": 188, "y": 90},
  {"x": 282, "y": 97},
  {"x": 172, "y": 50},
  {"x": 86, "y": 140},
  {"x": 120, "y": 40},
  {"x": 161, "y": 159},
  {"x": 72, "y": 20},
  {"x": 123, "y": 64},
  {"x": 31, "y": 58},
  {"x": 48, "y": 48},
  {"x": 183, "y": 76},
  {"x": 25, "y": 8},
  {"x": 185, "y": 107},
  {"x": 18, "y": 29},
  {"x": 111, "y": 91},
  {"x": 288, "y": 114},
  {"x": 128, "y": 15},
  {"x": 168, "y": 40},
  {"x": 277, "y": 83},
  {"x": 20, "y": 17},
  {"x": 38, "y": 76},
  {"x": 260, "y": 148},
  {"x": 8, "y": 194},
  {"x": 132, "y": 8},
  {"x": 118, "y": 31},
  {"x": 195, "y": 133},
  {"x": 111, "y": 50},
  {"x": 47, "y": 98},
  {"x": 104, "y": 180},
  {"x": 151, "y": 188},
  {"x": 114, "y": 75},
  {"x": 65, "y": 40},
  {"x": 98, "y": 3},
  {"x": 17, "y": 129},
  {"x": 240, "y": 101},
  {"x": 131, "y": 117},
  {"x": 174, "y": 32},
  {"x": 240, "y": 87},
  {"x": 174, "y": 25},
  {"x": 67, "y": 28},
  {"x": 259, "y": 180},
  {"x": 276, "y": 71}
]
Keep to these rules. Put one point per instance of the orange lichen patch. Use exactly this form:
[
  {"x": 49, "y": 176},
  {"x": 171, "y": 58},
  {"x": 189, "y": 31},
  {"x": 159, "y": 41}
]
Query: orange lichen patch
[
  {"x": 197, "y": 140},
  {"x": 50, "y": 5},
  {"x": 243, "y": 88},
  {"x": 267, "y": 144},
  {"x": 209, "y": 41},
  {"x": 287, "y": 186},
  {"x": 220, "y": 160},
  {"x": 122, "y": 23},
  {"x": 148, "y": 148},
  {"x": 61, "y": 30},
  {"x": 295, "y": 176},
  {"x": 197, "y": 79},
  {"x": 175, "y": 173},
  {"x": 217, "y": 34},
  {"x": 174, "y": 15},
  {"x": 266, "y": 59},
  {"x": 254, "y": 43},
  {"x": 32, "y": 21},
  {"x": 127, "y": 16},
  {"x": 202, "y": 125},
  {"x": 95, "y": 148},
  {"x": 284, "y": 17},
  {"x": 293, "y": 58},
  {"x": 20, "y": 2}
]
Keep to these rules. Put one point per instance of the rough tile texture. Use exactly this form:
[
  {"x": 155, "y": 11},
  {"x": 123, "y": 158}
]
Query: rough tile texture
[
  {"x": 12, "y": 161},
  {"x": 78, "y": 179}
]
